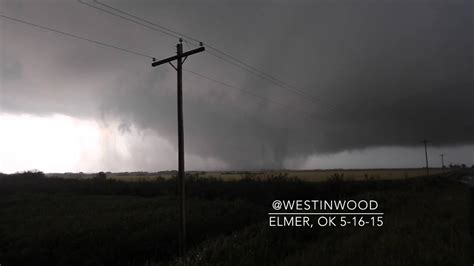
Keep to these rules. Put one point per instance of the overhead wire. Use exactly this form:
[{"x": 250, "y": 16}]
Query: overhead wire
[
  {"x": 218, "y": 53},
  {"x": 122, "y": 17},
  {"x": 150, "y": 57},
  {"x": 248, "y": 92},
  {"x": 76, "y": 36},
  {"x": 164, "y": 29}
]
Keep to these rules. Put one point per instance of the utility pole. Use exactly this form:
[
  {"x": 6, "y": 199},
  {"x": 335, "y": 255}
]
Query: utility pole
[
  {"x": 180, "y": 57},
  {"x": 426, "y": 157},
  {"x": 442, "y": 162}
]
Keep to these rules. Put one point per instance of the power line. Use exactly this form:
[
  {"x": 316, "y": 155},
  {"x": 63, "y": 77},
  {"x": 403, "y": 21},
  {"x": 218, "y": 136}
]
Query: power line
[
  {"x": 169, "y": 31},
  {"x": 242, "y": 111},
  {"x": 239, "y": 63},
  {"x": 248, "y": 92},
  {"x": 258, "y": 74},
  {"x": 75, "y": 36},
  {"x": 122, "y": 17},
  {"x": 175, "y": 33},
  {"x": 233, "y": 60}
]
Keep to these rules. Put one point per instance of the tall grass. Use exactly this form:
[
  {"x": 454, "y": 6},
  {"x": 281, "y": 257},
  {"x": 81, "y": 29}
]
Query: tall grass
[{"x": 58, "y": 221}]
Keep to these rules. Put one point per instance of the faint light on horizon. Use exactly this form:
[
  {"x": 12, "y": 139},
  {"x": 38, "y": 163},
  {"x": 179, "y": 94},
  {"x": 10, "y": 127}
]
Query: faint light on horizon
[
  {"x": 56, "y": 143},
  {"x": 60, "y": 143}
]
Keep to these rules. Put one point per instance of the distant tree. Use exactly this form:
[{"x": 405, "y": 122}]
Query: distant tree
[
  {"x": 100, "y": 176},
  {"x": 32, "y": 174},
  {"x": 463, "y": 165}
]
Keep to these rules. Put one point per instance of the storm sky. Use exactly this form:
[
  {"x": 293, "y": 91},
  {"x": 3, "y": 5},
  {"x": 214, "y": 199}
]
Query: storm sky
[{"x": 367, "y": 80}]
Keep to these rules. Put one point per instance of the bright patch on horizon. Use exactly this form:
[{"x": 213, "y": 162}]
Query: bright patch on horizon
[
  {"x": 61, "y": 143},
  {"x": 56, "y": 143}
]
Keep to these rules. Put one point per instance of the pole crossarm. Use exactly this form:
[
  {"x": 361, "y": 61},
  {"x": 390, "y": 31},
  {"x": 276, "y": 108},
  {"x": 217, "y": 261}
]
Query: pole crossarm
[{"x": 172, "y": 58}]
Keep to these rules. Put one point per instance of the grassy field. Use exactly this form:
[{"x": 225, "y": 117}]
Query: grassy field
[
  {"x": 57, "y": 221},
  {"x": 306, "y": 175},
  {"x": 427, "y": 222}
]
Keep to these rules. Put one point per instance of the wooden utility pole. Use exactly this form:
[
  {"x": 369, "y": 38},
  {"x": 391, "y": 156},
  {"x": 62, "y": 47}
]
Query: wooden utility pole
[
  {"x": 180, "y": 57},
  {"x": 426, "y": 156},
  {"x": 442, "y": 162}
]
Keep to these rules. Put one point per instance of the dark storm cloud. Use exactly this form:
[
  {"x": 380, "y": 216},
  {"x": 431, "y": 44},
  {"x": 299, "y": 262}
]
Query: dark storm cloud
[
  {"x": 380, "y": 74},
  {"x": 10, "y": 69}
]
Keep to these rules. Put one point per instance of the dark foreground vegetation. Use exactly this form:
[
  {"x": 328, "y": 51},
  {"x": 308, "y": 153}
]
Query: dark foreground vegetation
[{"x": 57, "y": 221}]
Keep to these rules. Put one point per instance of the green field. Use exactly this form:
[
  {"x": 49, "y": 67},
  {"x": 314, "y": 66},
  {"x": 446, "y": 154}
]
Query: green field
[{"x": 57, "y": 221}]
